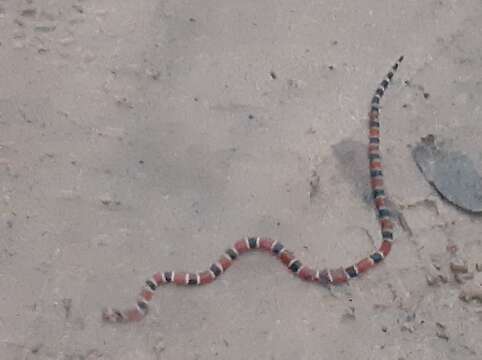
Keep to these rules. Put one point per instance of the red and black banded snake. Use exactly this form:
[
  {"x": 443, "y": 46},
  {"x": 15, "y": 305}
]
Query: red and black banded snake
[{"x": 325, "y": 277}]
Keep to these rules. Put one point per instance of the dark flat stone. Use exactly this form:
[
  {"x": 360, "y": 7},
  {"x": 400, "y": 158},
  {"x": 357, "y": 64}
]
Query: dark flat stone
[{"x": 452, "y": 173}]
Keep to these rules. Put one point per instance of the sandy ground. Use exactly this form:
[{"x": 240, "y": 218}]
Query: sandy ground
[{"x": 138, "y": 136}]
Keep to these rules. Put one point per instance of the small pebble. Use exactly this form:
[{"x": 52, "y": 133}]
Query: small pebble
[
  {"x": 106, "y": 199},
  {"x": 441, "y": 331},
  {"x": 471, "y": 292},
  {"x": 458, "y": 268}
]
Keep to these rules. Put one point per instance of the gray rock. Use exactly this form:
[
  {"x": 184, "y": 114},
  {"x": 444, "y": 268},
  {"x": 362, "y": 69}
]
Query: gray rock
[{"x": 451, "y": 172}]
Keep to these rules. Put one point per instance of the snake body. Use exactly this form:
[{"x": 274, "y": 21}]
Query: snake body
[{"x": 325, "y": 277}]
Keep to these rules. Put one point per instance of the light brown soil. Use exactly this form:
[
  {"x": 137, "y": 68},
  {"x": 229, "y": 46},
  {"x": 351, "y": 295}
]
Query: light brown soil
[{"x": 138, "y": 136}]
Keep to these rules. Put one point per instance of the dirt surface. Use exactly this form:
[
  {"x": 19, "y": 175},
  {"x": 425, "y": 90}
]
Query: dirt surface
[{"x": 138, "y": 136}]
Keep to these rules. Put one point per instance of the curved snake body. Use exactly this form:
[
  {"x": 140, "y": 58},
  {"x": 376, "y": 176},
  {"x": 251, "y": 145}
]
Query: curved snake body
[{"x": 324, "y": 277}]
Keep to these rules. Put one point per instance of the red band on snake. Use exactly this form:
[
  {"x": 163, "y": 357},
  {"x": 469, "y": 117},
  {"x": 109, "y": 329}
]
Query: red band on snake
[{"x": 325, "y": 277}]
